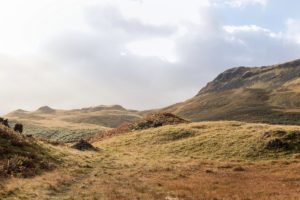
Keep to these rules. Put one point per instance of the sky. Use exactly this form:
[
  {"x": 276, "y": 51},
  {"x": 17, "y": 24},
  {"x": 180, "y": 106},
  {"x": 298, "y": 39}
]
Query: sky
[{"x": 141, "y": 54}]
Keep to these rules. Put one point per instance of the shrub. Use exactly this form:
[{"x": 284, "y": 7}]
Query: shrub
[{"x": 18, "y": 128}]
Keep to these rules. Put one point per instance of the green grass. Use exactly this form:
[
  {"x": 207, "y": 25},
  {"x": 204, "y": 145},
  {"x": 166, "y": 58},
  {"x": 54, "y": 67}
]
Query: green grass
[{"x": 108, "y": 119}]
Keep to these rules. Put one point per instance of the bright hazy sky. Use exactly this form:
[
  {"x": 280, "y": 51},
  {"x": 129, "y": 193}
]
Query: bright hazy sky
[{"x": 141, "y": 54}]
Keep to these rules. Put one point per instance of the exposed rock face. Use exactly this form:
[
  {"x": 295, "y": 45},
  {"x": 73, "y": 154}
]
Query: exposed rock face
[{"x": 273, "y": 76}]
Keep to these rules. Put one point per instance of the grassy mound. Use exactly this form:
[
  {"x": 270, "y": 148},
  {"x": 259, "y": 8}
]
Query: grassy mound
[
  {"x": 21, "y": 156},
  {"x": 215, "y": 140},
  {"x": 150, "y": 121}
]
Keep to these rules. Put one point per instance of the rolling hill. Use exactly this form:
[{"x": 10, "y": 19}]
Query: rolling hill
[
  {"x": 268, "y": 94},
  {"x": 211, "y": 160},
  {"x": 71, "y": 125}
]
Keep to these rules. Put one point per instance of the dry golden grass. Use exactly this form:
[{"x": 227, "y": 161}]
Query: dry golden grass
[
  {"x": 72, "y": 125},
  {"x": 209, "y": 160}
]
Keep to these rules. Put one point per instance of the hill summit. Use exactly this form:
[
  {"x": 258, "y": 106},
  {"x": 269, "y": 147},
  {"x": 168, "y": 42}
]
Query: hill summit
[
  {"x": 269, "y": 77},
  {"x": 45, "y": 110}
]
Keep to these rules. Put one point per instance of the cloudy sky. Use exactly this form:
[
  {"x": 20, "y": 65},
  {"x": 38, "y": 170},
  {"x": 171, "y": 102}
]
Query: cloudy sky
[{"x": 141, "y": 54}]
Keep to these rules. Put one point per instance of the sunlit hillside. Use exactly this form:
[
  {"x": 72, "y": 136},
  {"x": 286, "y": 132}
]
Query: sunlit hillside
[
  {"x": 267, "y": 94},
  {"x": 207, "y": 160}
]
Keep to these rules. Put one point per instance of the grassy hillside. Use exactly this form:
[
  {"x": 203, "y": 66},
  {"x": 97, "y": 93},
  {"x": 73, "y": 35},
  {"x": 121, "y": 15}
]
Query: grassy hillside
[
  {"x": 21, "y": 156},
  {"x": 260, "y": 94},
  {"x": 215, "y": 140},
  {"x": 71, "y": 125},
  {"x": 207, "y": 160}
]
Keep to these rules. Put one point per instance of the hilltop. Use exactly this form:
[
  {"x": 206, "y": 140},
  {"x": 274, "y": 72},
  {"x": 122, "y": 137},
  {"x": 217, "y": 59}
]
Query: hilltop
[
  {"x": 108, "y": 116},
  {"x": 45, "y": 110},
  {"x": 255, "y": 94}
]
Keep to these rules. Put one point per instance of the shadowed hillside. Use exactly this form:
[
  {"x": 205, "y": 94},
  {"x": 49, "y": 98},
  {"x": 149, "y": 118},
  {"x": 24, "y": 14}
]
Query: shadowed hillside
[
  {"x": 260, "y": 94},
  {"x": 21, "y": 156}
]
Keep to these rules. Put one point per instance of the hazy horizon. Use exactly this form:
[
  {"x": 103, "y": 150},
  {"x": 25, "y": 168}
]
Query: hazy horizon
[{"x": 141, "y": 54}]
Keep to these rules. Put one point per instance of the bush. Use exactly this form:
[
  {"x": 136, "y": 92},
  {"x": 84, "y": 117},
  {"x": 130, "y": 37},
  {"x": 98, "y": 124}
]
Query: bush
[
  {"x": 18, "y": 166},
  {"x": 282, "y": 140},
  {"x": 18, "y": 128}
]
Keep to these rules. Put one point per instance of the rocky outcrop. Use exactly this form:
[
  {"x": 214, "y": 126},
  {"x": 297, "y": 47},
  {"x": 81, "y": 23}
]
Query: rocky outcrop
[{"x": 239, "y": 77}]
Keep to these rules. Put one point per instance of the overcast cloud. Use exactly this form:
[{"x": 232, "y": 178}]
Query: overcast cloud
[{"x": 141, "y": 54}]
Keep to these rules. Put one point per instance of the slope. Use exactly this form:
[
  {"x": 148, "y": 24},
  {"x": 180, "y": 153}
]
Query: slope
[
  {"x": 259, "y": 94},
  {"x": 21, "y": 156}
]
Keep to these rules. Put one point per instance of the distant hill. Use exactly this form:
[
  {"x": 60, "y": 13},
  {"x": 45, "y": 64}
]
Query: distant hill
[
  {"x": 255, "y": 94},
  {"x": 45, "y": 110},
  {"x": 107, "y": 116},
  {"x": 71, "y": 125}
]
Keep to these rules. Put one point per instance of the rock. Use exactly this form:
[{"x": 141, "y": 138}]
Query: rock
[{"x": 83, "y": 145}]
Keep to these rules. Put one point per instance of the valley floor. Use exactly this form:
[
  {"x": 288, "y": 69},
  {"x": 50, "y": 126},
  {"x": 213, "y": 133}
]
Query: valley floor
[{"x": 127, "y": 168}]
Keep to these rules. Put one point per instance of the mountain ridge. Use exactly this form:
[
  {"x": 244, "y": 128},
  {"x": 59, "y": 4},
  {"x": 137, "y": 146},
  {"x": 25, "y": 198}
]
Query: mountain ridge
[{"x": 269, "y": 94}]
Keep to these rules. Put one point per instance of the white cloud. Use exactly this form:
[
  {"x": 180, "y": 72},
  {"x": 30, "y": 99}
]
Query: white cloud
[
  {"x": 293, "y": 30},
  {"x": 245, "y": 28},
  {"x": 250, "y": 29},
  {"x": 243, "y": 3},
  {"x": 161, "y": 48},
  {"x": 73, "y": 53}
]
